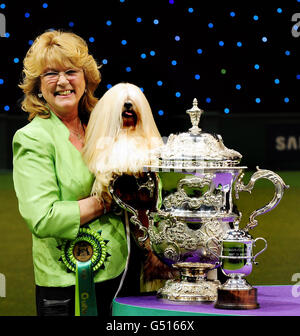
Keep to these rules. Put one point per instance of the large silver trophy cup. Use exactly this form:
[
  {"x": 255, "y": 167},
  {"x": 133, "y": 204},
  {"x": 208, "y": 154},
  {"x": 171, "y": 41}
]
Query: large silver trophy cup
[{"x": 199, "y": 208}]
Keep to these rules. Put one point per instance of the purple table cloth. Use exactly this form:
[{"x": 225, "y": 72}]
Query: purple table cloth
[{"x": 273, "y": 301}]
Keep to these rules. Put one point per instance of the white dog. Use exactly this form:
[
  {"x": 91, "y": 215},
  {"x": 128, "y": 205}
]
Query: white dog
[{"x": 120, "y": 136}]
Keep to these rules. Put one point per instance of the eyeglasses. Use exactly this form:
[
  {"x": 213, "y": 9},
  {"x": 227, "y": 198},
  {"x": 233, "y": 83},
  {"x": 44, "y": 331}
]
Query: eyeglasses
[{"x": 53, "y": 76}]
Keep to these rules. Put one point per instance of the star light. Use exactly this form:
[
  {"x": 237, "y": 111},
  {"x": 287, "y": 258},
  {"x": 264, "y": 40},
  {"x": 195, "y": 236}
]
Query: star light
[{"x": 187, "y": 49}]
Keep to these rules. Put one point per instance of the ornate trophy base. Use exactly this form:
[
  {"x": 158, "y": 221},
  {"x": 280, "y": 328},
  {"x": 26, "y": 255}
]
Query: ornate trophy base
[
  {"x": 237, "y": 299},
  {"x": 236, "y": 293},
  {"x": 192, "y": 285}
]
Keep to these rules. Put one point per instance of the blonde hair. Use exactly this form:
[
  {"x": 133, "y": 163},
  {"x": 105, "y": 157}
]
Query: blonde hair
[
  {"x": 110, "y": 149},
  {"x": 57, "y": 48}
]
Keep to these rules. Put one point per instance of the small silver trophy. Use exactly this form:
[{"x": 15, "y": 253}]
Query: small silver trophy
[{"x": 236, "y": 260}]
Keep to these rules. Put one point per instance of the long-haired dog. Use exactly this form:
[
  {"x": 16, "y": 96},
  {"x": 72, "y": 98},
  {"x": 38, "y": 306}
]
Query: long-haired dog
[
  {"x": 120, "y": 133},
  {"x": 120, "y": 136}
]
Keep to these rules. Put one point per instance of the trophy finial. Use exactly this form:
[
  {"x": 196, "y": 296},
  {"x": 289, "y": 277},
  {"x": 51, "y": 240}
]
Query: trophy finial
[{"x": 195, "y": 114}]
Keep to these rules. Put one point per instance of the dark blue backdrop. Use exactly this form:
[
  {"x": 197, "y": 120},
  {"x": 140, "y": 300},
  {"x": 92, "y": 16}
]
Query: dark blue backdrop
[{"x": 239, "y": 59}]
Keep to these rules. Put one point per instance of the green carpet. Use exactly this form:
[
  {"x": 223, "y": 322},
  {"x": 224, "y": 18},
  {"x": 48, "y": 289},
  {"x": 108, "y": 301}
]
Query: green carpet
[
  {"x": 15, "y": 255},
  {"x": 280, "y": 227}
]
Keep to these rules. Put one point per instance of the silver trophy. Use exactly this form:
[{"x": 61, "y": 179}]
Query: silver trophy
[
  {"x": 198, "y": 207},
  {"x": 235, "y": 252}
]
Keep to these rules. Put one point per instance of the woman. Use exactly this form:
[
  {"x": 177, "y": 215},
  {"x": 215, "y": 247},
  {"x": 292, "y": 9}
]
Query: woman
[{"x": 51, "y": 180}]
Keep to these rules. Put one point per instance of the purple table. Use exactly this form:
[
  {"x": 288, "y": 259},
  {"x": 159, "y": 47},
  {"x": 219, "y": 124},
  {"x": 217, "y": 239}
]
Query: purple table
[{"x": 273, "y": 301}]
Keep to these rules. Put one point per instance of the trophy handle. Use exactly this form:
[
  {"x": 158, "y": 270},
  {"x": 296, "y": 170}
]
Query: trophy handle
[
  {"x": 133, "y": 219},
  {"x": 279, "y": 184},
  {"x": 261, "y": 251}
]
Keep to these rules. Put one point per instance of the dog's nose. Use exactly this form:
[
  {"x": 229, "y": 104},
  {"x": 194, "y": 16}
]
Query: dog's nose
[{"x": 128, "y": 105}]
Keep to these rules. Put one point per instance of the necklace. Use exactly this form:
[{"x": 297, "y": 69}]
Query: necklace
[{"x": 78, "y": 132}]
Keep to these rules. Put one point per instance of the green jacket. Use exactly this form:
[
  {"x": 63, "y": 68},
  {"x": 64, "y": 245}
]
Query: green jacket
[{"x": 50, "y": 176}]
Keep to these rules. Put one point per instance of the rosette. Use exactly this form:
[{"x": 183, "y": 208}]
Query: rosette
[{"x": 85, "y": 255}]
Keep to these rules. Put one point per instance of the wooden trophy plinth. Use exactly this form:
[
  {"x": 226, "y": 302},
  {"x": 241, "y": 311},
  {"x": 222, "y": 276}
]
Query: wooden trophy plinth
[{"x": 237, "y": 299}]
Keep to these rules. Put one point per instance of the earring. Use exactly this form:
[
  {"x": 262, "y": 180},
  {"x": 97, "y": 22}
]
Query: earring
[{"x": 40, "y": 95}]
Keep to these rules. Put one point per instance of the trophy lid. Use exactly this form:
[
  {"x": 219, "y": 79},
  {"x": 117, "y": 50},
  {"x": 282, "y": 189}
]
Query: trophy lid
[
  {"x": 236, "y": 235},
  {"x": 195, "y": 148}
]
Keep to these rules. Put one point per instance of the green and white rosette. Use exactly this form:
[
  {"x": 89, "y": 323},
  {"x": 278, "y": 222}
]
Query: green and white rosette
[{"x": 85, "y": 255}]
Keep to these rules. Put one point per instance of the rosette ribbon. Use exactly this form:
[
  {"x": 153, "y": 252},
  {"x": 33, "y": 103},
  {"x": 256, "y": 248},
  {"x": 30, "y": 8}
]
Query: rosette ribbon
[{"x": 85, "y": 255}]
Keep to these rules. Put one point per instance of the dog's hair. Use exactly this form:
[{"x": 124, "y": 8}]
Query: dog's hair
[
  {"x": 120, "y": 138},
  {"x": 112, "y": 148}
]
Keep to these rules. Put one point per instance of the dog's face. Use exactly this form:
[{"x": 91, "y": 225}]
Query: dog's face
[{"x": 129, "y": 114}]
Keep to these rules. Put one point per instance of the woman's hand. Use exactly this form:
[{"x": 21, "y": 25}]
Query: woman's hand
[{"x": 92, "y": 207}]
